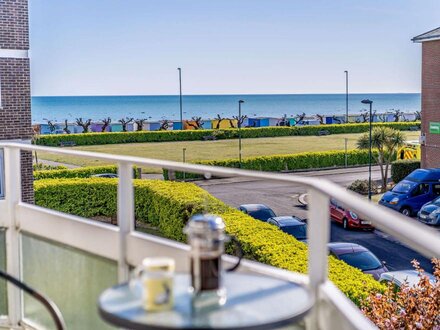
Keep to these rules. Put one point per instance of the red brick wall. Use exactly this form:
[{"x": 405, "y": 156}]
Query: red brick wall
[
  {"x": 430, "y": 101},
  {"x": 15, "y": 112},
  {"x": 14, "y": 33}
]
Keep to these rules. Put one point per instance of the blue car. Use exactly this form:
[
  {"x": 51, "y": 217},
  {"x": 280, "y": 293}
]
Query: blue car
[
  {"x": 410, "y": 194},
  {"x": 430, "y": 213}
]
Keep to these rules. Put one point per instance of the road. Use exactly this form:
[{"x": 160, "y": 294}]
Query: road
[{"x": 282, "y": 197}]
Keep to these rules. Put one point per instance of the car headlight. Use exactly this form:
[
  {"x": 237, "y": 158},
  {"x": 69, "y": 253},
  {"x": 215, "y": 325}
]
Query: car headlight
[
  {"x": 353, "y": 215},
  {"x": 395, "y": 200},
  {"x": 434, "y": 213}
]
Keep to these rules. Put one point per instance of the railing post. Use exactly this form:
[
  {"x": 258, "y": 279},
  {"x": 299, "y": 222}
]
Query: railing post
[
  {"x": 125, "y": 216},
  {"x": 318, "y": 237},
  {"x": 13, "y": 246}
]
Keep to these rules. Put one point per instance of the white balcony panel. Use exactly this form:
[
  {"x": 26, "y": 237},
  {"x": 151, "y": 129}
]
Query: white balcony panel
[{"x": 91, "y": 236}]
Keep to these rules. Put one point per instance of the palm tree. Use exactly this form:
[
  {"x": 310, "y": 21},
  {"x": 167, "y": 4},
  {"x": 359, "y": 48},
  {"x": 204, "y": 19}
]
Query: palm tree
[{"x": 386, "y": 141}]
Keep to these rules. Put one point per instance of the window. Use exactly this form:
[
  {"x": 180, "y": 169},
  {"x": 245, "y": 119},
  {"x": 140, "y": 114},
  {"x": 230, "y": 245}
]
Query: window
[
  {"x": 2, "y": 175},
  {"x": 421, "y": 189},
  {"x": 436, "y": 189}
]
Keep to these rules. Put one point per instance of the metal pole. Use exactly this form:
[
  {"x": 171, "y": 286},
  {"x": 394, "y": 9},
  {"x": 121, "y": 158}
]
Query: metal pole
[
  {"x": 180, "y": 97},
  {"x": 184, "y": 160},
  {"x": 369, "y": 153},
  {"x": 346, "y": 96},
  {"x": 239, "y": 131}
]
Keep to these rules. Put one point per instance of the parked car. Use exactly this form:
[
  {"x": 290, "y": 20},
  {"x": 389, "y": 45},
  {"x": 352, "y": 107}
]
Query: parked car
[
  {"x": 291, "y": 225},
  {"x": 105, "y": 175},
  {"x": 347, "y": 218},
  {"x": 258, "y": 211},
  {"x": 430, "y": 212},
  {"x": 410, "y": 194},
  {"x": 359, "y": 257},
  {"x": 411, "y": 277}
]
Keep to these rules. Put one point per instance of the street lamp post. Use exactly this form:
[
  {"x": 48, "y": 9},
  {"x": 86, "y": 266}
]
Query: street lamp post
[
  {"x": 180, "y": 97},
  {"x": 346, "y": 96},
  {"x": 369, "y": 152},
  {"x": 239, "y": 130}
]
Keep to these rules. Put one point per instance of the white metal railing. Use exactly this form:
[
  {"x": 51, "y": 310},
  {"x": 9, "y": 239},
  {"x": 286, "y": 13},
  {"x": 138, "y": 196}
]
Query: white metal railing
[{"x": 126, "y": 246}]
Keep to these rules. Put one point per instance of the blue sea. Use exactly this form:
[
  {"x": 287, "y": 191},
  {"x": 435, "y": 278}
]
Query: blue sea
[{"x": 59, "y": 108}]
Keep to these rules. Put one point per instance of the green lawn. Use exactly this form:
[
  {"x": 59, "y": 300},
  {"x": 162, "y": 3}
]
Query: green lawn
[{"x": 207, "y": 150}]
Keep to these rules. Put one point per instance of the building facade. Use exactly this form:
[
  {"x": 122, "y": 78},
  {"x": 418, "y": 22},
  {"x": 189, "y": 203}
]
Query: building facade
[
  {"x": 430, "y": 135},
  {"x": 15, "y": 92}
]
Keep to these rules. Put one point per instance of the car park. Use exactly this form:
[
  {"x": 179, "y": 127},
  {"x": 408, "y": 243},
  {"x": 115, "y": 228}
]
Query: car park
[
  {"x": 258, "y": 211},
  {"x": 430, "y": 213},
  {"x": 291, "y": 225},
  {"x": 410, "y": 194},
  {"x": 347, "y": 218},
  {"x": 411, "y": 277},
  {"x": 359, "y": 257}
]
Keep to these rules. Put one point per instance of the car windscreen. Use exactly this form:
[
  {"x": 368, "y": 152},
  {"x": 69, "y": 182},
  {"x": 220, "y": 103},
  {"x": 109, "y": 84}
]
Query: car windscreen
[
  {"x": 403, "y": 187},
  {"x": 299, "y": 232},
  {"x": 363, "y": 260},
  {"x": 436, "y": 201},
  {"x": 262, "y": 214}
]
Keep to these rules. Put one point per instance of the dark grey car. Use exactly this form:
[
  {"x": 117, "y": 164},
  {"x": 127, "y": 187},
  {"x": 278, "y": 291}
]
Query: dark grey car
[{"x": 430, "y": 213}]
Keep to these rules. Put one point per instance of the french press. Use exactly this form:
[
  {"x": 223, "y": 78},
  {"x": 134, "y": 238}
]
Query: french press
[{"x": 206, "y": 236}]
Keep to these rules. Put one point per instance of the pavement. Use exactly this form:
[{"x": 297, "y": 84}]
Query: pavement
[{"x": 282, "y": 197}]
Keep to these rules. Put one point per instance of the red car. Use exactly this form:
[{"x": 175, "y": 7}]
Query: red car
[{"x": 347, "y": 218}]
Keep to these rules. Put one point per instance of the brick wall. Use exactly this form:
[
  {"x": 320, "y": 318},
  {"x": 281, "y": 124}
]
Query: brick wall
[
  {"x": 14, "y": 33},
  {"x": 430, "y": 101},
  {"x": 15, "y": 111}
]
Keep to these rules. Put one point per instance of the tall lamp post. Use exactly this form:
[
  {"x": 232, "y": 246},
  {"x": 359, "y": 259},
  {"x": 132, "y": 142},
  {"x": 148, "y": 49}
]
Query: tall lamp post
[
  {"x": 369, "y": 152},
  {"x": 346, "y": 96},
  {"x": 239, "y": 130},
  {"x": 180, "y": 97}
]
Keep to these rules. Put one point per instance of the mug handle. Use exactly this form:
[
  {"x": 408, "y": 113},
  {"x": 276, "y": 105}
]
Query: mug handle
[
  {"x": 240, "y": 253},
  {"x": 134, "y": 284}
]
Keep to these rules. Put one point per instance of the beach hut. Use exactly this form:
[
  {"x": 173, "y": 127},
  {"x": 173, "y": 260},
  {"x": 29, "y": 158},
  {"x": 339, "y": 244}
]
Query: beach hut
[
  {"x": 177, "y": 125},
  {"x": 96, "y": 127},
  {"x": 115, "y": 127},
  {"x": 207, "y": 124},
  {"x": 154, "y": 126},
  {"x": 292, "y": 121},
  {"x": 254, "y": 122},
  {"x": 273, "y": 121},
  {"x": 226, "y": 123}
]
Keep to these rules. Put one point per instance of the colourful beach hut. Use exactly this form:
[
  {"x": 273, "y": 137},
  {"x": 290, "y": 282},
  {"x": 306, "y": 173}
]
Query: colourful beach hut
[
  {"x": 115, "y": 127},
  {"x": 254, "y": 122},
  {"x": 207, "y": 124},
  {"x": 155, "y": 126},
  {"x": 177, "y": 125},
  {"x": 226, "y": 123}
]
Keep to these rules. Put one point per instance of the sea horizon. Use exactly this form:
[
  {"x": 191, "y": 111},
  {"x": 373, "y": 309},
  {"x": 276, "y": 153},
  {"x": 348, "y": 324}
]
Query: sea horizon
[{"x": 208, "y": 106}]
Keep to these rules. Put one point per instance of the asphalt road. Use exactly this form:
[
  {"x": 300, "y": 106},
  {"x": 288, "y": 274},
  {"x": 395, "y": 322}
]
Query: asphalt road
[{"x": 283, "y": 199}]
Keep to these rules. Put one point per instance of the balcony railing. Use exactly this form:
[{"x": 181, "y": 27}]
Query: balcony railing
[{"x": 73, "y": 258}]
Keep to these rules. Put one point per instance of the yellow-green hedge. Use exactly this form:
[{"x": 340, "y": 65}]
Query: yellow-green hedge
[{"x": 169, "y": 205}]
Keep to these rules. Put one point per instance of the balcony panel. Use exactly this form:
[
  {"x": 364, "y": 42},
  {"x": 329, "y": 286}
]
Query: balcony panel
[
  {"x": 72, "y": 278},
  {"x": 3, "y": 294}
]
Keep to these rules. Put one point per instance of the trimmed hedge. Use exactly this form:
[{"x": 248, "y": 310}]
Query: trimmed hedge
[
  {"x": 80, "y": 172},
  {"x": 277, "y": 163},
  {"x": 401, "y": 168},
  {"x": 192, "y": 135},
  {"x": 169, "y": 205}
]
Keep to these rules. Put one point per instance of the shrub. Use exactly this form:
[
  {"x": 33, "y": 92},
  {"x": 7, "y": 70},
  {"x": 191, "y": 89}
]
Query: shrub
[
  {"x": 169, "y": 205},
  {"x": 276, "y": 163},
  {"x": 361, "y": 187},
  {"x": 410, "y": 307},
  {"x": 401, "y": 168},
  {"x": 192, "y": 135}
]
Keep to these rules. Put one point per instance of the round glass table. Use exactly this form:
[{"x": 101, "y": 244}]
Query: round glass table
[{"x": 253, "y": 302}]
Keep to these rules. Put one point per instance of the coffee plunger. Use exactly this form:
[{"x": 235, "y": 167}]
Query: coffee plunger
[{"x": 206, "y": 236}]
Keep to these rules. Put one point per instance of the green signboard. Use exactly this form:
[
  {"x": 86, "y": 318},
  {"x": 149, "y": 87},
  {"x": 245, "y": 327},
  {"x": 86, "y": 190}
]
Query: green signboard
[{"x": 434, "y": 128}]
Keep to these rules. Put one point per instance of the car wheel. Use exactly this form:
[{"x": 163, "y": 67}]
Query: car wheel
[
  {"x": 406, "y": 211},
  {"x": 345, "y": 224}
]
